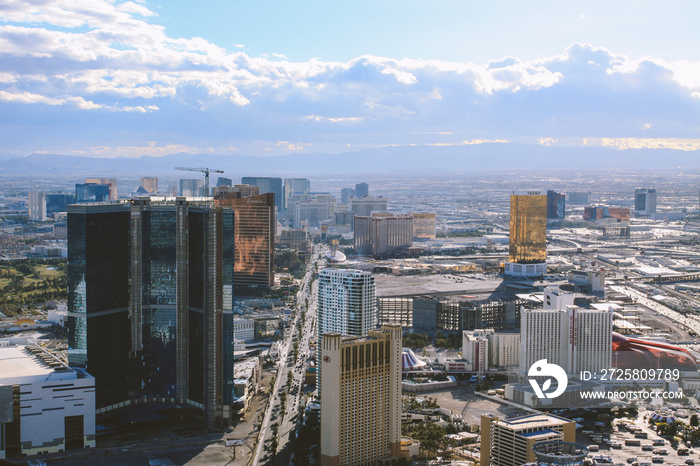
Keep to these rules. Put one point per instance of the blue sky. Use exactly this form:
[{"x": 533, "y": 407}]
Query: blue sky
[{"x": 110, "y": 78}]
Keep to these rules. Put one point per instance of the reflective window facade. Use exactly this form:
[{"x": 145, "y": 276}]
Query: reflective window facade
[
  {"x": 157, "y": 277},
  {"x": 528, "y": 228},
  {"x": 98, "y": 297}
]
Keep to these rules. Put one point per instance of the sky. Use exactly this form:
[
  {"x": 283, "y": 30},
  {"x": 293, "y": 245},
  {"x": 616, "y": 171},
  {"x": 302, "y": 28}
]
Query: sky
[{"x": 129, "y": 78}]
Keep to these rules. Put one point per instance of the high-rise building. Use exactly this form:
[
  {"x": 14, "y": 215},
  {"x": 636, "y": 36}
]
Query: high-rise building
[
  {"x": 361, "y": 398},
  {"x": 556, "y": 205},
  {"x": 37, "y": 206},
  {"x": 382, "y": 233},
  {"x": 475, "y": 349},
  {"x": 236, "y": 191},
  {"x": 150, "y": 184},
  {"x": 58, "y": 202},
  {"x": 111, "y": 182},
  {"x": 310, "y": 213},
  {"x": 575, "y": 339},
  {"x": 295, "y": 186},
  {"x": 267, "y": 185},
  {"x": 508, "y": 442},
  {"x": 150, "y": 296},
  {"x": 222, "y": 181},
  {"x": 254, "y": 238},
  {"x": 364, "y": 206},
  {"x": 645, "y": 201},
  {"x": 92, "y": 192},
  {"x": 361, "y": 190},
  {"x": 346, "y": 194},
  {"x": 528, "y": 234},
  {"x": 424, "y": 225},
  {"x": 192, "y": 187},
  {"x": 347, "y": 304}
]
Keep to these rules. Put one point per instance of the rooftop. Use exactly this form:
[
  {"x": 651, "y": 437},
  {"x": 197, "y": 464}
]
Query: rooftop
[{"x": 23, "y": 363}]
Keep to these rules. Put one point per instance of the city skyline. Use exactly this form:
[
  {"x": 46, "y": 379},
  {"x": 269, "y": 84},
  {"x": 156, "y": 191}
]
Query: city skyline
[{"x": 169, "y": 80}]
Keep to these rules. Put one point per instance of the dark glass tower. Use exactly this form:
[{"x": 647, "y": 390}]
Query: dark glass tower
[
  {"x": 98, "y": 297},
  {"x": 91, "y": 192},
  {"x": 178, "y": 305}
]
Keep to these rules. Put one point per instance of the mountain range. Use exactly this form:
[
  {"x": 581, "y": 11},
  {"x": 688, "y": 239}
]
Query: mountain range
[{"x": 386, "y": 160}]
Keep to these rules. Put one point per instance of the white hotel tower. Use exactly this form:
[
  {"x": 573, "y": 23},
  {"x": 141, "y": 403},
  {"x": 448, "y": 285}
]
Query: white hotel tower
[
  {"x": 347, "y": 305},
  {"x": 575, "y": 339}
]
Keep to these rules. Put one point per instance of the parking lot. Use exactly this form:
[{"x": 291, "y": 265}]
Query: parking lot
[{"x": 626, "y": 445}]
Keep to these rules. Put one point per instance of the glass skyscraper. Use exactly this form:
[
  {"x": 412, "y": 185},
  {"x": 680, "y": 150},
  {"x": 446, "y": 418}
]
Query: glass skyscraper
[{"x": 175, "y": 316}]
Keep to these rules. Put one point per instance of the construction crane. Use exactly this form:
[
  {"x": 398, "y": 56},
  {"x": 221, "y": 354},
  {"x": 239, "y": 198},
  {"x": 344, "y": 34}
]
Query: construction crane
[{"x": 206, "y": 172}]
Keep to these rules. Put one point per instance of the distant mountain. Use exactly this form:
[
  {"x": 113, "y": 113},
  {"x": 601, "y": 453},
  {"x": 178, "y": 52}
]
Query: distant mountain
[{"x": 425, "y": 159}]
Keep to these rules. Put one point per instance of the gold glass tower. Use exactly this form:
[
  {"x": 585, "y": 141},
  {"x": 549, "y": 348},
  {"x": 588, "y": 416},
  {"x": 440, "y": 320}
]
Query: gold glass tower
[{"x": 528, "y": 228}]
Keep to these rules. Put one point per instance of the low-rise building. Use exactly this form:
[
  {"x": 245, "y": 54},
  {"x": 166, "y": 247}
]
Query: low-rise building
[{"x": 45, "y": 406}]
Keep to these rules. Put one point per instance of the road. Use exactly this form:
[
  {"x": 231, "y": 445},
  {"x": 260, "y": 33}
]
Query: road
[
  {"x": 690, "y": 322},
  {"x": 286, "y": 417}
]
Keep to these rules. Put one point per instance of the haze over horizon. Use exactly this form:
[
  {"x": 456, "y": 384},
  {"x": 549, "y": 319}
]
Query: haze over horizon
[{"x": 127, "y": 79}]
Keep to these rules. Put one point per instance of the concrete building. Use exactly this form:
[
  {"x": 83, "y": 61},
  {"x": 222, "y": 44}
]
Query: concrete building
[
  {"x": 361, "y": 398},
  {"x": 150, "y": 301},
  {"x": 364, "y": 206},
  {"x": 311, "y": 213},
  {"x": 295, "y": 186},
  {"x": 295, "y": 239},
  {"x": 45, "y": 406},
  {"x": 575, "y": 339},
  {"x": 527, "y": 252},
  {"x": 361, "y": 190},
  {"x": 267, "y": 185},
  {"x": 150, "y": 184},
  {"x": 508, "y": 442},
  {"x": 346, "y": 194},
  {"x": 346, "y": 303},
  {"x": 475, "y": 349},
  {"x": 382, "y": 233},
  {"x": 645, "y": 201},
  {"x": 111, "y": 182},
  {"x": 244, "y": 329},
  {"x": 504, "y": 349},
  {"x": 254, "y": 238},
  {"x": 424, "y": 225},
  {"x": 37, "y": 206}
]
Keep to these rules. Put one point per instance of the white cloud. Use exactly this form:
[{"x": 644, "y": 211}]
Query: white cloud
[{"x": 112, "y": 58}]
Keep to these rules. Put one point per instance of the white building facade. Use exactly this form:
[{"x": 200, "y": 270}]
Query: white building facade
[
  {"x": 563, "y": 334},
  {"x": 45, "y": 406}
]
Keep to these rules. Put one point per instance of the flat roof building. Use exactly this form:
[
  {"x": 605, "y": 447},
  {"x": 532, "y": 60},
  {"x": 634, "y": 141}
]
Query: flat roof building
[
  {"x": 45, "y": 406},
  {"x": 382, "y": 233},
  {"x": 508, "y": 442},
  {"x": 527, "y": 251},
  {"x": 361, "y": 398}
]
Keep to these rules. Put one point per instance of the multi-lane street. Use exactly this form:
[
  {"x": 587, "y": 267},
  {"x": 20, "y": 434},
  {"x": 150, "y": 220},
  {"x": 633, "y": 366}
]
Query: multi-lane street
[{"x": 280, "y": 421}]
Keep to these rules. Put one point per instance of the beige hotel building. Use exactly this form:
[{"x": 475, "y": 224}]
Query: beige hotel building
[{"x": 361, "y": 398}]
